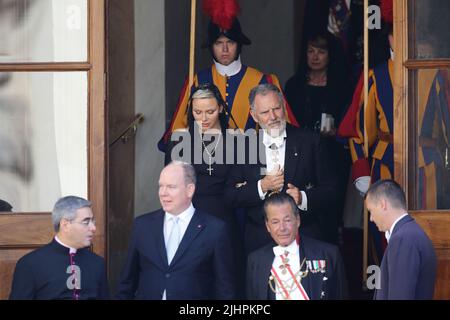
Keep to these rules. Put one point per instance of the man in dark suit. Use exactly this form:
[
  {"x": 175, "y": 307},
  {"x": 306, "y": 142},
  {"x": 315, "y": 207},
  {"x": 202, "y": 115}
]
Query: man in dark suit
[
  {"x": 408, "y": 268},
  {"x": 299, "y": 268},
  {"x": 178, "y": 253},
  {"x": 290, "y": 160}
]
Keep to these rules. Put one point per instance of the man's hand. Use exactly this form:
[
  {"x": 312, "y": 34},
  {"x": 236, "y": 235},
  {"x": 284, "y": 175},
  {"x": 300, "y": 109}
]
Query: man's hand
[
  {"x": 273, "y": 181},
  {"x": 295, "y": 193}
]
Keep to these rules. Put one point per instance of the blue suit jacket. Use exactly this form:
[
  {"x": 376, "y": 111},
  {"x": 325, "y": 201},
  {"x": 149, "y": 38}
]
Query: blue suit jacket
[
  {"x": 202, "y": 268},
  {"x": 408, "y": 268}
]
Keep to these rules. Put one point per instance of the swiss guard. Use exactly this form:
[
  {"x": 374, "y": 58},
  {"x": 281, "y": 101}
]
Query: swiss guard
[
  {"x": 234, "y": 79},
  {"x": 378, "y": 121}
]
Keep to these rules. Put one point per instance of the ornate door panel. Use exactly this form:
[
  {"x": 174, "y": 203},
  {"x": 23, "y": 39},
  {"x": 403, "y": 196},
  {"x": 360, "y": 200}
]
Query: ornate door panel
[{"x": 422, "y": 122}]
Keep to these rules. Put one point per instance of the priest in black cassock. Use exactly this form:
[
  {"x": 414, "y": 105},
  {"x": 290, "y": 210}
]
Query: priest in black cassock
[{"x": 65, "y": 268}]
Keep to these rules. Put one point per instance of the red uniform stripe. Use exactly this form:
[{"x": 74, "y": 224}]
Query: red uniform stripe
[
  {"x": 281, "y": 284},
  {"x": 299, "y": 286}
]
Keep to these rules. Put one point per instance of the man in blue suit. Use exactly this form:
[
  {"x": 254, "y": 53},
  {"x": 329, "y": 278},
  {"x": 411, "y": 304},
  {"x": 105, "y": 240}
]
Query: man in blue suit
[
  {"x": 178, "y": 253},
  {"x": 408, "y": 268}
]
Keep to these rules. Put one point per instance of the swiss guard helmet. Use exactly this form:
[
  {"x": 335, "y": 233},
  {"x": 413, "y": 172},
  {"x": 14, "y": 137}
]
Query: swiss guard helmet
[
  {"x": 224, "y": 22},
  {"x": 234, "y": 33}
]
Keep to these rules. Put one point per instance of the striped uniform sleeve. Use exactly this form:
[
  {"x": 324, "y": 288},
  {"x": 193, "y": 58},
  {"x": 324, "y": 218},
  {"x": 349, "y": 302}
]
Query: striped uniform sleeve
[{"x": 365, "y": 120}]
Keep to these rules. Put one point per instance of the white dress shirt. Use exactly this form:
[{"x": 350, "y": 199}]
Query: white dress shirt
[
  {"x": 294, "y": 264},
  {"x": 183, "y": 223},
  {"x": 280, "y": 143},
  {"x": 388, "y": 233}
]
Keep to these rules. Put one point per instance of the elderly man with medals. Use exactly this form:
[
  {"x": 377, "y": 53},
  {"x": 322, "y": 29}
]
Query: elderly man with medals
[{"x": 295, "y": 267}]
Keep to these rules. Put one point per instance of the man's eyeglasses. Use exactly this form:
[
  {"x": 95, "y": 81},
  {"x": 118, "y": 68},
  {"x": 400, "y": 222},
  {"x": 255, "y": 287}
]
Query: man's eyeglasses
[{"x": 85, "y": 222}]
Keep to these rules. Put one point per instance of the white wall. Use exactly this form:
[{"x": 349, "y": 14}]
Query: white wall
[{"x": 271, "y": 29}]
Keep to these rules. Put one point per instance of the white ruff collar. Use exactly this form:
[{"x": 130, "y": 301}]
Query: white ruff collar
[{"x": 231, "y": 70}]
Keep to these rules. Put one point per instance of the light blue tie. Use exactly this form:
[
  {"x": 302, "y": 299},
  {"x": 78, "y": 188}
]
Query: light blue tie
[{"x": 173, "y": 240}]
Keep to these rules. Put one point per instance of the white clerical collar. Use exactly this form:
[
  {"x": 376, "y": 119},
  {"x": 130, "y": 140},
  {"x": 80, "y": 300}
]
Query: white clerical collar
[
  {"x": 292, "y": 249},
  {"x": 389, "y": 232},
  {"x": 186, "y": 215},
  {"x": 71, "y": 250},
  {"x": 231, "y": 70},
  {"x": 268, "y": 140},
  {"x": 392, "y": 54}
]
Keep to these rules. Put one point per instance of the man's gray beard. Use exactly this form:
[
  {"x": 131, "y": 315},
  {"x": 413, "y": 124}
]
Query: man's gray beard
[{"x": 274, "y": 133}]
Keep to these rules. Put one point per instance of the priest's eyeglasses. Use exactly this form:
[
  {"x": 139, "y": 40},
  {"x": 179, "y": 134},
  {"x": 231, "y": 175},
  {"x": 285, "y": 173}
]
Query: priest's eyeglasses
[{"x": 85, "y": 222}]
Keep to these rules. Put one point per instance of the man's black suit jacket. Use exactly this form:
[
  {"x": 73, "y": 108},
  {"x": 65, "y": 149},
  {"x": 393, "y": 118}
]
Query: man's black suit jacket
[
  {"x": 203, "y": 266},
  {"x": 329, "y": 285},
  {"x": 307, "y": 166}
]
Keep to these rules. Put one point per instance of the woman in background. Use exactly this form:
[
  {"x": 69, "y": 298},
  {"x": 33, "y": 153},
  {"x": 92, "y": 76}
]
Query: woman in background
[{"x": 318, "y": 94}]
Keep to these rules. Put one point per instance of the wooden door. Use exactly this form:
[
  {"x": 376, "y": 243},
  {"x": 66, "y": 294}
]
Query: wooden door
[
  {"x": 422, "y": 121},
  {"x": 52, "y": 104}
]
